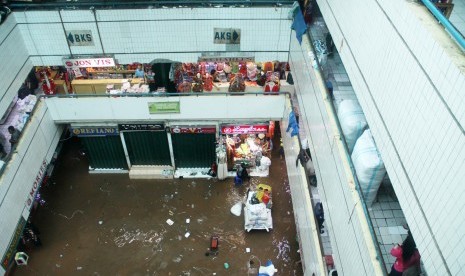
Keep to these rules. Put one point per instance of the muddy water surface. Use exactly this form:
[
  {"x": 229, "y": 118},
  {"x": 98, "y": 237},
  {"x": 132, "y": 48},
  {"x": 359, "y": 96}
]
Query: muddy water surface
[{"x": 110, "y": 225}]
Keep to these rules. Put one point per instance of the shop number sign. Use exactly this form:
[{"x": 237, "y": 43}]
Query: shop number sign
[
  {"x": 226, "y": 36},
  {"x": 244, "y": 129},
  {"x": 89, "y": 62}
]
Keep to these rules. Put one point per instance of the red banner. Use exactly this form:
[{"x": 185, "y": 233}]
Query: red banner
[
  {"x": 188, "y": 129},
  {"x": 244, "y": 129}
]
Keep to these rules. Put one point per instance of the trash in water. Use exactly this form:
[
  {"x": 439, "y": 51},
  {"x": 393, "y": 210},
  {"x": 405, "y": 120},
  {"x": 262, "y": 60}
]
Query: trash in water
[
  {"x": 57, "y": 265},
  {"x": 61, "y": 256},
  {"x": 177, "y": 259},
  {"x": 100, "y": 222},
  {"x": 79, "y": 268},
  {"x": 226, "y": 265},
  {"x": 236, "y": 209},
  {"x": 170, "y": 212},
  {"x": 247, "y": 250},
  {"x": 188, "y": 220},
  {"x": 214, "y": 273},
  {"x": 170, "y": 222},
  {"x": 192, "y": 206},
  {"x": 187, "y": 234}
]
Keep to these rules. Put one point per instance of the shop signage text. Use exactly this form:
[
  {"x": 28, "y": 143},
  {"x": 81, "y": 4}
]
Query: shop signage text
[
  {"x": 164, "y": 107},
  {"x": 225, "y": 59},
  {"x": 135, "y": 127},
  {"x": 89, "y": 62},
  {"x": 94, "y": 131},
  {"x": 36, "y": 185},
  {"x": 80, "y": 38},
  {"x": 226, "y": 36},
  {"x": 244, "y": 129},
  {"x": 10, "y": 252},
  {"x": 197, "y": 129}
]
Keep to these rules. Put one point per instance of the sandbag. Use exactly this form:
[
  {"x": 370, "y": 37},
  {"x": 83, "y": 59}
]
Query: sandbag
[
  {"x": 353, "y": 121},
  {"x": 368, "y": 165}
]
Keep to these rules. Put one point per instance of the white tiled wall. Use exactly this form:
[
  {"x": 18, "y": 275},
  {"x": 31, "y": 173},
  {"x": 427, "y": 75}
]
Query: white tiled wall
[
  {"x": 178, "y": 34},
  {"x": 14, "y": 63},
  {"x": 352, "y": 246},
  {"x": 38, "y": 142},
  {"x": 412, "y": 95}
]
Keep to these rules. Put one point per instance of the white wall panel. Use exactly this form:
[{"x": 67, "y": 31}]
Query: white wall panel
[
  {"x": 124, "y": 109},
  {"x": 410, "y": 88},
  {"x": 38, "y": 142},
  {"x": 176, "y": 33},
  {"x": 14, "y": 64}
]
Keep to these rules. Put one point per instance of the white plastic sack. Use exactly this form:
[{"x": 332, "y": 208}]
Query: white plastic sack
[
  {"x": 353, "y": 121},
  {"x": 267, "y": 270},
  {"x": 368, "y": 165},
  {"x": 265, "y": 163},
  {"x": 237, "y": 209}
]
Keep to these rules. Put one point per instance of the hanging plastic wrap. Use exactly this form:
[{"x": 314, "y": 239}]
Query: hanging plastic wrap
[
  {"x": 369, "y": 166},
  {"x": 353, "y": 121}
]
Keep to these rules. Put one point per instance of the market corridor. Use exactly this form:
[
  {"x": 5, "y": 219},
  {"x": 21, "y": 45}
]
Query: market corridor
[{"x": 110, "y": 225}]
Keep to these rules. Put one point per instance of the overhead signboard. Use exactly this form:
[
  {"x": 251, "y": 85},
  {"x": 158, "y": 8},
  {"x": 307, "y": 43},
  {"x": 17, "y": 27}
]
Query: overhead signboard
[
  {"x": 94, "y": 131},
  {"x": 193, "y": 129},
  {"x": 226, "y": 36},
  {"x": 89, "y": 62},
  {"x": 36, "y": 185},
  {"x": 225, "y": 59},
  {"x": 139, "y": 127},
  {"x": 244, "y": 129},
  {"x": 80, "y": 38}
]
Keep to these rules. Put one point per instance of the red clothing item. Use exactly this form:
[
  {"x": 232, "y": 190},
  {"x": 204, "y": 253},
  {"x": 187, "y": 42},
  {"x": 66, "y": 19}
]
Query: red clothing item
[{"x": 400, "y": 265}]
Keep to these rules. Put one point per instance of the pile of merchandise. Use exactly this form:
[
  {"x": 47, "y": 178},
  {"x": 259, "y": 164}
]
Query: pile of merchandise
[
  {"x": 199, "y": 77},
  {"x": 257, "y": 210}
]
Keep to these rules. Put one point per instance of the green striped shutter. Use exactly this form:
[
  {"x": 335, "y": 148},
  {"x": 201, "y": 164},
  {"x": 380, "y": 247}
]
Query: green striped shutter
[
  {"x": 147, "y": 147},
  {"x": 105, "y": 152},
  {"x": 193, "y": 150}
]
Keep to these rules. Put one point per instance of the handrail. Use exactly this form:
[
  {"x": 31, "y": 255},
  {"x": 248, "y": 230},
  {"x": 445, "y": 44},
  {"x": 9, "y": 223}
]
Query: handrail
[
  {"x": 445, "y": 22},
  {"x": 16, "y": 5},
  {"x": 164, "y": 94}
]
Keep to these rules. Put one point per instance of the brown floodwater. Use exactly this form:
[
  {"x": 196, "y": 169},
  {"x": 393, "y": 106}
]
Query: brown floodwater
[{"x": 107, "y": 224}]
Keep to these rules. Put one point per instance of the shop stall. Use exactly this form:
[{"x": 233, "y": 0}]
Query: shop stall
[
  {"x": 248, "y": 145},
  {"x": 193, "y": 146},
  {"x": 146, "y": 144},
  {"x": 103, "y": 147}
]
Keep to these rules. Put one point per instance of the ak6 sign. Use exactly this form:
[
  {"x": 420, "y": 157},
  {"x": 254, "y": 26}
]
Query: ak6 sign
[{"x": 80, "y": 38}]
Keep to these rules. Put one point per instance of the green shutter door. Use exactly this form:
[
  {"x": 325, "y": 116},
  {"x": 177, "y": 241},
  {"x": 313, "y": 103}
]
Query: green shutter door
[
  {"x": 147, "y": 147},
  {"x": 105, "y": 152},
  {"x": 193, "y": 150}
]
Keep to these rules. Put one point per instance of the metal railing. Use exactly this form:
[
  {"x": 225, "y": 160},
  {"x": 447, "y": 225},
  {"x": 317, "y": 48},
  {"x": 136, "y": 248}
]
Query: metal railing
[
  {"x": 121, "y": 4},
  {"x": 458, "y": 37}
]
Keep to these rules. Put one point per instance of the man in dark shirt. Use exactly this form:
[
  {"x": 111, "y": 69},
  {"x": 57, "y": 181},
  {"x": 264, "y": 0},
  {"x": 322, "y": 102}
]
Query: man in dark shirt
[{"x": 14, "y": 135}]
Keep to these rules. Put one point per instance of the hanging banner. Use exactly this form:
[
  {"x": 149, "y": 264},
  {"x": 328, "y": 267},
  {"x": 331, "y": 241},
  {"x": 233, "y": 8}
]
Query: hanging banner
[
  {"x": 196, "y": 129},
  {"x": 11, "y": 250},
  {"x": 244, "y": 129},
  {"x": 225, "y": 59},
  {"x": 89, "y": 62},
  {"x": 94, "y": 131},
  {"x": 142, "y": 127},
  {"x": 36, "y": 185}
]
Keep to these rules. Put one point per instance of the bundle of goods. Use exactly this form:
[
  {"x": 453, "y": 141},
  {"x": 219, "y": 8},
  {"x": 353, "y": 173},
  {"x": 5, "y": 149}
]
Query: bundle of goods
[
  {"x": 237, "y": 84},
  {"x": 273, "y": 83},
  {"x": 257, "y": 210},
  {"x": 25, "y": 107},
  {"x": 353, "y": 121},
  {"x": 198, "y": 84},
  {"x": 184, "y": 83}
]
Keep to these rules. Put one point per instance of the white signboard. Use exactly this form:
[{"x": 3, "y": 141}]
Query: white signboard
[
  {"x": 226, "y": 36},
  {"x": 89, "y": 62},
  {"x": 80, "y": 38}
]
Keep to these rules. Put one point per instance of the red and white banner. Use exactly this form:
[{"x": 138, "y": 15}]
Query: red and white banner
[
  {"x": 188, "y": 129},
  {"x": 244, "y": 129},
  {"x": 89, "y": 62}
]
